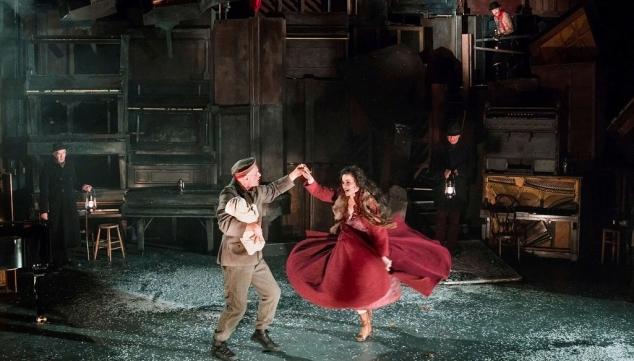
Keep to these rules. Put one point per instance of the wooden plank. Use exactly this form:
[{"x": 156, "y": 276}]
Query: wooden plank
[
  {"x": 314, "y": 57},
  {"x": 79, "y": 147},
  {"x": 294, "y": 120},
  {"x": 145, "y": 175},
  {"x": 271, "y": 146},
  {"x": 234, "y": 138},
  {"x": 231, "y": 62},
  {"x": 271, "y": 56},
  {"x": 74, "y": 84},
  {"x": 467, "y": 60},
  {"x": 562, "y": 237},
  {"x": 149, "y": 58},
  {"x": 569, "y": 41},
  {"x": 249, "y": 61}
]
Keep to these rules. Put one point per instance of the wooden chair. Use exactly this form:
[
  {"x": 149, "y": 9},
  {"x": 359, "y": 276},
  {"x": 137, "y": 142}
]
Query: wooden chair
[
  {"x": 612, "y": 238},
  {"x": 108, "y": 243},
  {"x": 503, "y": 222}
]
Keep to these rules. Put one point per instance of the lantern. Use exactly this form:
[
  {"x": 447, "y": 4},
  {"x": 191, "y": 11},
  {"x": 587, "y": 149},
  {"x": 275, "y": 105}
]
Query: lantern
[
  {"x": 90, "y": 201},
  {"x": 450, "y": 186}
]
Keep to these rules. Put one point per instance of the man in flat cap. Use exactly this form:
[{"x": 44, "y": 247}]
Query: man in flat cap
[
  {"x": 452, "y": 158},
  {"x": 241, "y": 269},
  {"x": 58, "y": 183}
]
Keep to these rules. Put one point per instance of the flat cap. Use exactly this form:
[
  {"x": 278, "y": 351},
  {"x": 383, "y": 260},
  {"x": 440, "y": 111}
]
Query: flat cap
[
  {"x": 58, "y": 146},
  {"x": 242, "y": 166}
]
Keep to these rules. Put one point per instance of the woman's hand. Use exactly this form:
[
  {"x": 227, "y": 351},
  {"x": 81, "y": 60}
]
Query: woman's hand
[
  {"x": 307, "y": 175},
  {"x": 298, "y": 171},
  {"x": 387, "y": 262}
]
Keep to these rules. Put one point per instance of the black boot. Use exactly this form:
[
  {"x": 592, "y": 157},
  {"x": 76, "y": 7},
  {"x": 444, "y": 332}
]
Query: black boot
[
  {"x": 263, "y": 338},
  {"x": 222, "y": 352}
]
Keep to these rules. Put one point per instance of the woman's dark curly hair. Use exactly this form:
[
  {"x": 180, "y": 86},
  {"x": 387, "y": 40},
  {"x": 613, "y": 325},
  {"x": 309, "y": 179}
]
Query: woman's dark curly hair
[{"x": 369, "y": 200}]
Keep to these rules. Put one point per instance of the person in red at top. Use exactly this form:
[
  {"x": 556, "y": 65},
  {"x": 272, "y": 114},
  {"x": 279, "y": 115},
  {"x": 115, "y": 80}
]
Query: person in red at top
[
  {"x": 360, "y": 265},
  {"x": 503, "y": 21}
]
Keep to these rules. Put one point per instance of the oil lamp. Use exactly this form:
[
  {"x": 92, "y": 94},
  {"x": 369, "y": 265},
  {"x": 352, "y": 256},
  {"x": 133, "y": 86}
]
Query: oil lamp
[
  {"x": 90, "y": 201},
  {"x": 450, "y": 186}
]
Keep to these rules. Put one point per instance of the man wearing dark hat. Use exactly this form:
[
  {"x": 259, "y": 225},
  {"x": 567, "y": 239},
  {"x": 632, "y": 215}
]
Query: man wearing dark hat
[
  {"x": 502, "y": 62},
  {"x": 452, "y": 158},
  {"x": 503, "y": 21},
  {"x": 240, "y": 269},
  {"x": 58, "y": 183}
]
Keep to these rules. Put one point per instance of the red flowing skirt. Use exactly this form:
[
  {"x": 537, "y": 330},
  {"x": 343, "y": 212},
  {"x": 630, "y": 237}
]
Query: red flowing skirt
[{"x": 344, "y": 270}]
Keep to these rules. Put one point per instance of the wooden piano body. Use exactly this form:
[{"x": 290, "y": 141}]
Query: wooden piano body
[{"x": 546, "y": 211}]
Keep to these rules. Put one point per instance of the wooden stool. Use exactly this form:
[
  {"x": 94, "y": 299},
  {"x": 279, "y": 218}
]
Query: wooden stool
[
  {"x": 109, "y": 242},
  {"x": 612, "y": 238}
]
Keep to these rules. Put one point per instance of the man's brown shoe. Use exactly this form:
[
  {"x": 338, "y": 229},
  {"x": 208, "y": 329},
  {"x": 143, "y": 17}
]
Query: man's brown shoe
[{"x": 262, "y": 337}]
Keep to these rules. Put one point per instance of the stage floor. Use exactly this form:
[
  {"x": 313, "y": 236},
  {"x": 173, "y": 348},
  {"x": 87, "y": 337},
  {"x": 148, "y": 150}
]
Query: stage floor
[{"x": 164, "y": 306}]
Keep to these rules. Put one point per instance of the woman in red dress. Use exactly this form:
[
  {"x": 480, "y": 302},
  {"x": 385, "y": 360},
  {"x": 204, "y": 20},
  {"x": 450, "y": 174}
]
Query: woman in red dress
[{"x": 362, "y": 262}]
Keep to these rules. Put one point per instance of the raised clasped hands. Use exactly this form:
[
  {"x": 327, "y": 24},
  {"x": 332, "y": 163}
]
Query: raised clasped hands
[
  {"x": 298, "y": 171},
  {"x": 306, "y": 173}
]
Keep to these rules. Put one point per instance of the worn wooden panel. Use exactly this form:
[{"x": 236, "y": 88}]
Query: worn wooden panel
[
  {"x": 149, "y": 58},
  {"x": 562, "y": 235},
  {"x": 110, "y": 147},
  {"x": 271, "y": 70},
  {"x": 327, "y": 120},
  {"x": 294, "y": 120},
  {"x": 232, "y": 71},
  {"x": 248, "y": 61},
  {"x": 234, "y": 138},
  {"x": 295, "y": 222},
  {"x": 37, "y": 84},
  {"x": 576, "y": 84},
  {"x": 445, "y": 34},
  {"x": 271, "y": 141},
  {"x": 170, "y": 174},
  {"x": 544, "y": 8},
  {"x": 570, "y": 41},
  {"x": 315, "y": 57},
  {"x": 552, "y": 8},
  {"x": 317, "y": 132},
  {"x": 3, "y": 279}
]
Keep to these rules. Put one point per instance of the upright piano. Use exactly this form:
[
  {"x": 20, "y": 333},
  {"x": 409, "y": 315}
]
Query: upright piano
[{"x": 546, "y": 211}]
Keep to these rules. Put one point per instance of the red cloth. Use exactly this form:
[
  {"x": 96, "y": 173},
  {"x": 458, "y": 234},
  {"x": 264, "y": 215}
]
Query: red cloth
[
  {"x": 346, "y": 270},
  {"x": 256, "y": 5}
]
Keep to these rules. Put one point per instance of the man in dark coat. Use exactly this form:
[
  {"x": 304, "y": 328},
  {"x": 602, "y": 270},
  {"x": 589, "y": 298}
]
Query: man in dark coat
[
  {"x": 58, "y": 183},
  {"x": 452, "y": 157}
]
